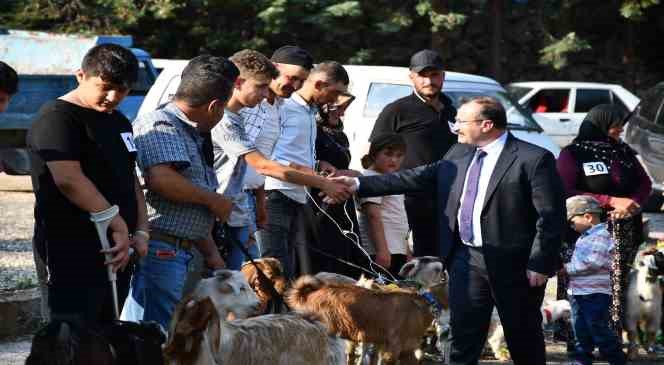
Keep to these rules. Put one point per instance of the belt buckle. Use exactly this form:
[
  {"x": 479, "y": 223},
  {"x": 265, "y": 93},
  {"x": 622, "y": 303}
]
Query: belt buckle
[{"x": 182, "y": 244}]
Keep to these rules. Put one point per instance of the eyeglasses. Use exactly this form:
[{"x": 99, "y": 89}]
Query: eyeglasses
[{"x": 457, "y": 121}]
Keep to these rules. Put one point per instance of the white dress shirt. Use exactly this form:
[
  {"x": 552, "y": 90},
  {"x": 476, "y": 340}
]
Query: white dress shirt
[
  {"x": 263, "y": 127},
  {"x": 296, "y": 143},
  {"x": 493, "y": 151}
]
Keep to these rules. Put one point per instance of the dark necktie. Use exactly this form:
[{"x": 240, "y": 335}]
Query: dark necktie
[{"x": 468, "y": 203}]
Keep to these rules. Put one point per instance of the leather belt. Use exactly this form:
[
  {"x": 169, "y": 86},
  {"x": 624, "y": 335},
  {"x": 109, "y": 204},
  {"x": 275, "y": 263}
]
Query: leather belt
[{"x": 178, "y": 242}]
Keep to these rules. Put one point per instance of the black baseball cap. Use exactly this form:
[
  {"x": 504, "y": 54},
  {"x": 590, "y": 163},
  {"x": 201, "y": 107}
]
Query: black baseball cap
[
  {"x": 424, "y": 59},
  {"x": 293, "y": 55}
]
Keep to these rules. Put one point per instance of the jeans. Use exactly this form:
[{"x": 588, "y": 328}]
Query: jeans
[
  {"x": 236, "y": 257},
  {"x": 278, "y": 239},
  {"x": 157, "y": 284},
  {"x": 590, "y": 320}
]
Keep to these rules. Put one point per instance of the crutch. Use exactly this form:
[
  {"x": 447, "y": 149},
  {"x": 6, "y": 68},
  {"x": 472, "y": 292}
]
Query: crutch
[{"x": 102, "y": 220}]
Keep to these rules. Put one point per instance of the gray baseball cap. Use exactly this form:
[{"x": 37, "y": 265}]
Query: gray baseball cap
[
  {"x": 424, "y": 59},
  {"x": 582, "y": 204}
]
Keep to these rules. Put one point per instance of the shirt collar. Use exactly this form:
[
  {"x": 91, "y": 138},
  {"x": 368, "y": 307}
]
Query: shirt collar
[
  {"x": 424, "y": 101},
  {"x": 496, "y": 146},
  {"x": 277, "y": 102},
  {"x": 231, "y": 114},
  {"x": 180, "y": 114},
  {"x": 593, "y": 229},
  {"x": 299, "y": 100}
]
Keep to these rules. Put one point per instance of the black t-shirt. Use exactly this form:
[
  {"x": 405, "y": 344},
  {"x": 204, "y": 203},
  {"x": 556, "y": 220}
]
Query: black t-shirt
[
  {"x": 426, "y": 130},
  {"x": 103, "y": 144}
]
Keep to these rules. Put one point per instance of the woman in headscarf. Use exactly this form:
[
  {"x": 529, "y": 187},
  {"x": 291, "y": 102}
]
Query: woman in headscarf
[
  {"x": 599, "y": 164},
  {"x": 332, "y": 146}
]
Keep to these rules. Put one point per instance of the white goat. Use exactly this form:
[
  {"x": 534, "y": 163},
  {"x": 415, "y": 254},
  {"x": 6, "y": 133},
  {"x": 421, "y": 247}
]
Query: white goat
[{"x": 644, "y": 304}]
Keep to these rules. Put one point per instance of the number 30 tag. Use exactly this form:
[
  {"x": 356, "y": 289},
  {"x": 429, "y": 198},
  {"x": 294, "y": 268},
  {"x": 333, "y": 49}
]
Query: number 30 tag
[{"x": 595, "y": 168}]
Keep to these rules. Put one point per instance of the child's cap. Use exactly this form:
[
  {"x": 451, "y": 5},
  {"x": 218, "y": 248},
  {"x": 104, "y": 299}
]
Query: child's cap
[{"x": 581, "y": 204}]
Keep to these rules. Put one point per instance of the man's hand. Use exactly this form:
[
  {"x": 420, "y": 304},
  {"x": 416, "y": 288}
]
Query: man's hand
[
  {"x": 384, "y": 259},
  {"x": 336, "y": 190},
  {"x": 120, "y": 252},
  {"x": 261, "y": 216},
  {"x": 140, "y": 244},
  {"x": 214, "y": 262},
  {"x": 536, "y": 279},
  {"x": 220, "y": 206},
  {"x": 345, "y": 187}
]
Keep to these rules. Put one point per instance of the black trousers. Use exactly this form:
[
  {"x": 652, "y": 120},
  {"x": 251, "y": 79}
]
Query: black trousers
[
  {"x": 473, "y": 295},
  {"x": 423, "y": 221}
]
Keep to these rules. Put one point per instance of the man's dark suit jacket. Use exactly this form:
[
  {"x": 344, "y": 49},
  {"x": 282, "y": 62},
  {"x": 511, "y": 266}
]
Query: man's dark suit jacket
[{"x": 524, "y": 209}]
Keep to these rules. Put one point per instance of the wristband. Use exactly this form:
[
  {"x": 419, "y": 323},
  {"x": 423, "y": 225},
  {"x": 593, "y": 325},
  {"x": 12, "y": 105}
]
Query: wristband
[{"x": 142, "y": 233}]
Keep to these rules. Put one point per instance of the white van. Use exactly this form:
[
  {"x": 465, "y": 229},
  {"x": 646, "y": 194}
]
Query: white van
[{"x": 376, "y": 86}]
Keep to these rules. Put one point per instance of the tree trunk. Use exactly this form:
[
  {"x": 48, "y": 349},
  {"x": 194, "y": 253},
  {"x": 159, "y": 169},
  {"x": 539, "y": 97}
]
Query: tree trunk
[{"x": 496, "y": 14}]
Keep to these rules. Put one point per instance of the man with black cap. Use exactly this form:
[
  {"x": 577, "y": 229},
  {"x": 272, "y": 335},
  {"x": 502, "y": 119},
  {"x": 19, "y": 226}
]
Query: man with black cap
[
  {"x": 423, "y": 118},
  {"x": 262, "y": 125}
]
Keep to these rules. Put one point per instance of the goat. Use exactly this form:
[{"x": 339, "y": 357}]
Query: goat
[
  {"x": 350, "y": 311},
  {"x": 72, "y": 341},
  {"x": 551, "y": 312},
  {"x": 201, "y": 337},
  {"x": 644, "y": 302},
  {"x": 230, "y": 292}
]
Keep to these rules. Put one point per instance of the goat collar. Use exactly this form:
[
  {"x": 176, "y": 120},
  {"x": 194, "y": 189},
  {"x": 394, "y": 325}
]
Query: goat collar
[
  {"x": 547, "y": 314},
  {"x": 434, "y": 306}
]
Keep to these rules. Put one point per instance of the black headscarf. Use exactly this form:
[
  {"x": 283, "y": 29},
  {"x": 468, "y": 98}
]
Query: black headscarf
[
  {"x": 593, "y": 138},
  {"x": 598, "y": 121}
]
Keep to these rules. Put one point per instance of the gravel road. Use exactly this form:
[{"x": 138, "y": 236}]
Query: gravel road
[{"x": 16, "y": 222}]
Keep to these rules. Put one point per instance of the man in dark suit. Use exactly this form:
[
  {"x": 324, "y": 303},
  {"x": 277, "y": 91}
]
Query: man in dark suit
[{"x": 503, "y": 211}]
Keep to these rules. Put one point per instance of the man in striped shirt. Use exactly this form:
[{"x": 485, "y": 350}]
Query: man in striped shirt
[{"x": 590, "y": 284}]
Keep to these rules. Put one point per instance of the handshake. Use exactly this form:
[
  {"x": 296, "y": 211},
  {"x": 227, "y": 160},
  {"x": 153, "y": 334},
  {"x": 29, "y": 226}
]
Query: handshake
[{"x": 339, "y": 186}]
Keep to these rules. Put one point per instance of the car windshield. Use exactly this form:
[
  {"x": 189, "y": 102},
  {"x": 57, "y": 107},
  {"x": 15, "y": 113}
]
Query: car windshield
[
  {"x": 517, "y": 92},
  {"x": 381, "y": 94},
  {"x": 144, "y": 81}
]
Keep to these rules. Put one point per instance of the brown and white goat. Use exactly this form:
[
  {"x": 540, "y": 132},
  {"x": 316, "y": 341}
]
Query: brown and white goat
[
  {"x": 393, "y": 321},
  {"x": 274, "y": 273},
  {"x": 274, "y": 339},
  {"x": 644, "y": 304}
]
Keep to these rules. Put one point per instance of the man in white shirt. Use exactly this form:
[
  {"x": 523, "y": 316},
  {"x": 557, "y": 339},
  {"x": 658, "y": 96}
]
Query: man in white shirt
[
  {"x": 233, "y": 150},
  {"x": 262, "y": 126},
  {"x": 296, "y": 146}
]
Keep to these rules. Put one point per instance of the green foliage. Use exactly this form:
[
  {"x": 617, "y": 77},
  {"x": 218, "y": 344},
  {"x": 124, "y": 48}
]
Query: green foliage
[
  {"x": 353, "y": 31},
  {"x": 555, "y": 54},
  {"x": 344, "y": 9},
  {"x": 635, "y": 9},
  {"x": 449, "y": 21}
]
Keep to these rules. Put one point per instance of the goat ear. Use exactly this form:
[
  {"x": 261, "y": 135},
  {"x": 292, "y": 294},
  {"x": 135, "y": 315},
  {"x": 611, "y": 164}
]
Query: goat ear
[
  {"x": 407, "y": 268},
  {"x": 195, "y": 317}
]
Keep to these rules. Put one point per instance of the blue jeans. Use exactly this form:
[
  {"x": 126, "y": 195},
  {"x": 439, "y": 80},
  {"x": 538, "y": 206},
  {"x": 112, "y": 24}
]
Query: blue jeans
[
  {"x": 590, "y": 320},
  {"x": 236, "y": 257},
  {"x": 157, "y": 284}
]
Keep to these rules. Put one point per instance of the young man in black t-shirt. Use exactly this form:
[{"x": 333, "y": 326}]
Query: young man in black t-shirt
[{"x": 83, "y": 161}]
